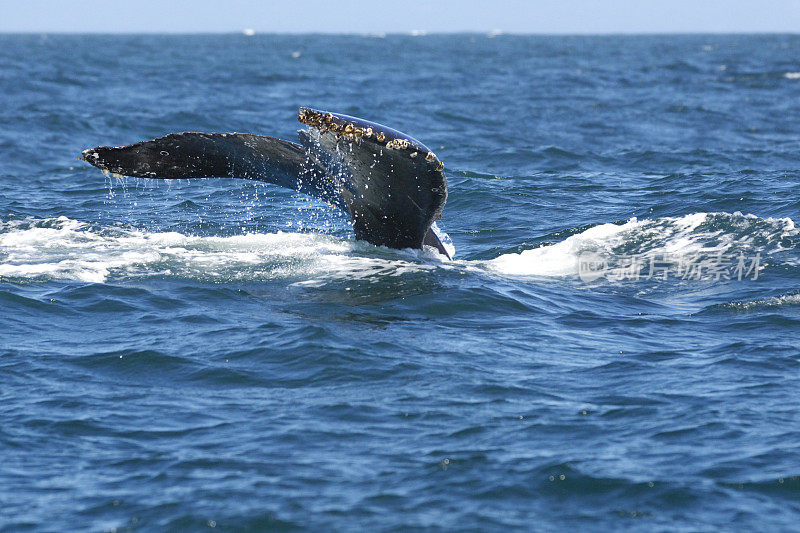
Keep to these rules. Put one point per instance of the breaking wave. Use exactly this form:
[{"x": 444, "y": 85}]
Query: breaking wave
[{"x": 698, "y": 235}]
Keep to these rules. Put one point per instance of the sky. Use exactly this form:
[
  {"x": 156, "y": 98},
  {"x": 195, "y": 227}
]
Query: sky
[{"x": 400, "y": 16}]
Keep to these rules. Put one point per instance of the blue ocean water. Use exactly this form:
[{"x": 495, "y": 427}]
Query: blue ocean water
[{"x": 614, "y": 346}]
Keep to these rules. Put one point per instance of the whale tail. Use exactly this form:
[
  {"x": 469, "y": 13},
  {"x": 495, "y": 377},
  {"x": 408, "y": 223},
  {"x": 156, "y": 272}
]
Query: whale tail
[
  {"x": 392, "y": 186},
  {"x": 216, "y": 155}
]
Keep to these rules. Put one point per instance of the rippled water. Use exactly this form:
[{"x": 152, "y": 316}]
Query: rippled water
[{"x": 220, "y": 353}]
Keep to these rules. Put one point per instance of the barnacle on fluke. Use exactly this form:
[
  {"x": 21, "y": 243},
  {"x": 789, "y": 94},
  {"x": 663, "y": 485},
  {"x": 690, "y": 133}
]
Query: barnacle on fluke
[
  {"x": 345, "y": 126},
  {"x": 393, "y": 197}
]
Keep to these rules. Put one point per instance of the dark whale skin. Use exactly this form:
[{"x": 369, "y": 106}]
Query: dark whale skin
[{"x": 392, "y": 186}]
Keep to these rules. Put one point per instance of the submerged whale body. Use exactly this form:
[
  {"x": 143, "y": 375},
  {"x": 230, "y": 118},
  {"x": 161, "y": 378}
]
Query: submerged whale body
[{"x": 390, "y": 184}]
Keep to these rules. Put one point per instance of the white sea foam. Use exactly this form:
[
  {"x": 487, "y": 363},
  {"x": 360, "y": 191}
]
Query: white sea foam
[
  {"x": 792, "y": 75},
  {"x": 689, "y": 235},
  {"x": 61, "y": 248},
  {"x": 68, "y": 249},
  {"x": 775, "y": 301},
  {"x": 560, "y": 259}
]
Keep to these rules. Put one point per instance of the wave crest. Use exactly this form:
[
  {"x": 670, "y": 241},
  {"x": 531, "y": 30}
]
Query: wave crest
[{"x": 696, "y": 234}]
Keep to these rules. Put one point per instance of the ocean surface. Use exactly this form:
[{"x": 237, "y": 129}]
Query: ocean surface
[{"x": 614, "y": 346}]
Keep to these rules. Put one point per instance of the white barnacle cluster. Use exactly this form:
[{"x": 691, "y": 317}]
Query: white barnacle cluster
[
  {"x": 397, "y": 144},
  {"x": 328, "y": 122},
  {"x": 431, "y": 158}
]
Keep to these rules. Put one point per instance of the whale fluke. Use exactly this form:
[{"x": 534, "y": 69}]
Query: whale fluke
[{"x": 392, "y": 185}]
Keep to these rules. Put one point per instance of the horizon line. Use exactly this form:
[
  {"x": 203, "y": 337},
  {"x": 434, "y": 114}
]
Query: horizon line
[{"x": 246, "y": 32}]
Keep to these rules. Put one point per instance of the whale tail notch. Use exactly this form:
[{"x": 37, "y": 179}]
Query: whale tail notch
[{"x": 392, "y": 186}]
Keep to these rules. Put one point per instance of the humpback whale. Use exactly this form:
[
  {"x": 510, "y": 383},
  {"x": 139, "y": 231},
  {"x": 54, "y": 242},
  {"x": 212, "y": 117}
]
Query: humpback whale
[{"x": 392, "y": 186}]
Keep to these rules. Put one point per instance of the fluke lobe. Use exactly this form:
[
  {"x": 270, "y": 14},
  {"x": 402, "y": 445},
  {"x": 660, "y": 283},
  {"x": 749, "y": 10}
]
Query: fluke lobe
[{"x": 392, "y": 186}]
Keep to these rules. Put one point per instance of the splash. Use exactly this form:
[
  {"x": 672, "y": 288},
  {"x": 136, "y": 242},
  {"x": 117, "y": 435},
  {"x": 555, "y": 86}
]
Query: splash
[{"x": 62, "y": 248}]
